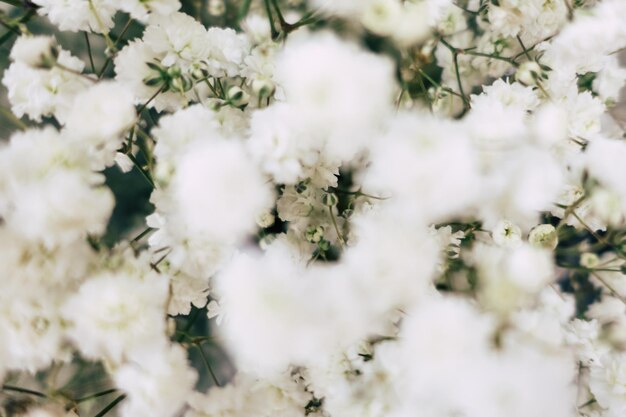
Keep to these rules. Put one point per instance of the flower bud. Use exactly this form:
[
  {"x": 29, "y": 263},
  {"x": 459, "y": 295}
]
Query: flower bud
[
  {"x": 215, "y": 103},
  {"x": 265, "y": 219},
  {"x": 263, "y": 88},
  {"x": 324, "y": 245},
  {"x": 314, "y": 234},
  {"x": 301, "y": 187},
  {"x": 174, "y": 71},
  {"x": 544, "y": 236},
  {"x": 181, "y": 84},
  {"x": 199, "y": 73},
  {"x": 329, "y": 199},
  {"x": 237, "y": 96},
  {"x": 216, "y": 7},
  {"x": 589, "y": 260},
  {"x": 528, "y": 73}
]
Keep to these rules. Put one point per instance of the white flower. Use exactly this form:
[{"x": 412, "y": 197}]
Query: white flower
[
  {"x": 159, "y": 383},
  {"x": 116, "y": 316},
  {"x": 77, "y": 15},
  {"x": 44, "y": 92},
  {"x": 509, "y": 95},
  {"x": 426, "y": 166},
  {"x": 30, "y": 327},
  {"x": 227, "y": 53},
  {"x": 544, "y": 236},
  {"x": 99, "y": 117},
  {"x": 186, "y": 291},
  {"x": 603, "y": 158},
  {"x": 330, "y": 83},
  {"x": 48, "y": 194},
  {"x": 131, "y": 70},
  {"x": 510, "y": 277},
  {"x": 219, "y": 191},
  {"x": 506, "y": 233},
  {"x": 610, "y": 80},
  {"x": 414, "y": 25},
  {"x": 608, "y": 383},
  {"x": 276, "y": 144},
  {"x": 34, "y": 51},
  {"x": 382, "y": 16},
  {"x": 247, "y": 396},
  {"x": 584, "y": 112},
  {"x": 179, "y": 38},
  {"x": 583, "y": 335}
]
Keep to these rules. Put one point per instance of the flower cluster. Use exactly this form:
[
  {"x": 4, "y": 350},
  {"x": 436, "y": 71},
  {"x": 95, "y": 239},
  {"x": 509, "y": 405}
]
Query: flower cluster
[{"x": 373, "y": 207}]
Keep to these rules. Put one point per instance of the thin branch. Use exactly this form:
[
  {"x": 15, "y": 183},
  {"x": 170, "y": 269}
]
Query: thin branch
[
  {"x": 610, "y": 288},
  {"x": 96, "y": 395},
  {"x": 524, "y": 50},
  {"x": 342, "y": 242},
  {"x": 93, "y": 67},
  {"x": 207, "y": 364},
  {"x": 270, "y": 17},
  {"x": 6, "y": 387},
  {"x": 143, "y": 173},
  {"x": 142, "y": 235},
  {"x": 72, "y": 71},
  {"x": 111, "y": 405}
]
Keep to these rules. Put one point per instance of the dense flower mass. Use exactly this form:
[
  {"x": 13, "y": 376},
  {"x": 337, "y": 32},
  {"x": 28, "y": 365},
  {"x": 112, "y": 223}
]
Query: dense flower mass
[{"x": 327, "y": 208}]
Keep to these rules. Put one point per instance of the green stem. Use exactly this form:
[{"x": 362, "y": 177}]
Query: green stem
[
  {"x": 111, "y": 405},
  {"x": 469, "y": 51},
  {"x": 591, "y": 401},
  {"x": 141, "y": 171},
  {"x": 71, "y": 71},
  {"x": 342, "y": 242},
  {"x": 142, "y": 235},
  {"x": 436, "y": 84},
  {"x": 93, "y": 67},
  {"x": 9, "y": 26},
  {"x": 17, "y": 23},
  {"x": 458, "y": 80},
  {"x": 466, "y": 10},
  {"x": 215, "y": 93},
  {"x": 120, "y": 37},
  {"x": 606, "y": 284},
  {"x": 514, "y": 58},
  {"x": 6, "y": 387},
  {"x": 115, "y": 45},
  {"x": 96, "y": 395},
  {"x": 524, "y": 50},
  {"x": 568, "y": 212},
  {"x": 270, "y": 17},
  {"x": 281, "y": 19},
  {"x": 102, "y": 27},
  {"x": 207, "y": 364},
  {"x": 144, "y": 105}
]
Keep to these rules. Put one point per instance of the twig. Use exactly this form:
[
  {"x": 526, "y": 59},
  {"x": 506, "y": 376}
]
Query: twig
[
  {"x": 6, "y": 387},
  {"x": 111, "y": 405},
  {"x": 93, "y": 67}
]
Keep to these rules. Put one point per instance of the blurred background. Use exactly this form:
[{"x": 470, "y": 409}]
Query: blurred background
[{"x": 81, "y": 379}]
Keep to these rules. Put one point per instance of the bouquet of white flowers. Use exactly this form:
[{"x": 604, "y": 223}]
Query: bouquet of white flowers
[{"x": 324, "y": 208}]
